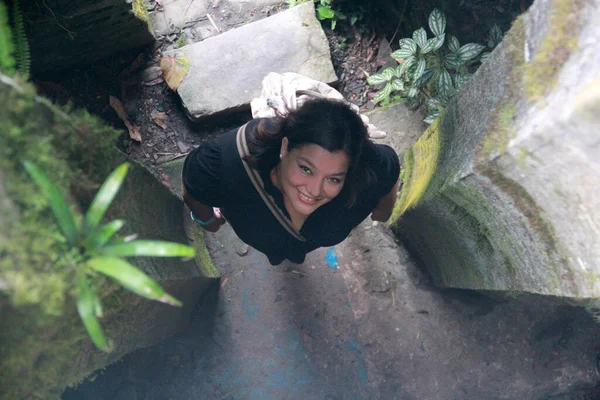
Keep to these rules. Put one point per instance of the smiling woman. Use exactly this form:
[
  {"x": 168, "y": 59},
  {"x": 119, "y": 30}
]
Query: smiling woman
[{"x": 290, "y": 185}]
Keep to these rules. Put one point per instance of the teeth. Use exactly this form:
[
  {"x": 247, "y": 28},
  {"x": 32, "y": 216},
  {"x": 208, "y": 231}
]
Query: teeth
[{"x": 306, "y": 197}]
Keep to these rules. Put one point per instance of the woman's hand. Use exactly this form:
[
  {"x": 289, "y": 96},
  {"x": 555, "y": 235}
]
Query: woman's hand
[
  {"x": 218, "y": 222},
  {"x": 204, "y": 212}
]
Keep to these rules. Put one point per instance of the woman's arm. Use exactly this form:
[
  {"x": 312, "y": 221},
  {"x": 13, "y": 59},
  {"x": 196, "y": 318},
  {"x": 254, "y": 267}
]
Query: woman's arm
[
  {"x": 203, "y": 212},
  {"x": 384, "y": 208}
]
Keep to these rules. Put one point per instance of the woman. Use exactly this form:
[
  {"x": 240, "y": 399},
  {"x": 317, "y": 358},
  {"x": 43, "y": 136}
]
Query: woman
[{"x": 290, "y": 185}]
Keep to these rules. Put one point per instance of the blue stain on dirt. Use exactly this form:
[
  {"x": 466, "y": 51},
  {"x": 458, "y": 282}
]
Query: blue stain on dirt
[
  {"x": 361, "y": 366},
  {"x": 249, "y": 304},
  {"x": 331, "y": 258}
]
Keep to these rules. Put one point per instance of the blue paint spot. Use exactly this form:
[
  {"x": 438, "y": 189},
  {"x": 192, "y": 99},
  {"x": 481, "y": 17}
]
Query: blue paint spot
[
  {"x": 331, "y": 258},
  {"x": 248, "y": 305}
]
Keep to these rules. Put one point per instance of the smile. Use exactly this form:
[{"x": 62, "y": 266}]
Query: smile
[{"x": 306, "y": 199}]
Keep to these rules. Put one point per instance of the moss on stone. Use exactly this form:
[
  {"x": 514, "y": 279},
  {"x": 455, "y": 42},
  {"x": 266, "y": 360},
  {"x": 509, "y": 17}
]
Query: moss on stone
[
  {"x": 501, "y": 126},
  {"x": 560, "y": 39},
  {"x": 141, "y": 12},
  {"x": 203, "y": 258},
  {"x": 526, "y": 204},
  {"x": 421, "y": 162},
  {"x": 38, "y": 318}
]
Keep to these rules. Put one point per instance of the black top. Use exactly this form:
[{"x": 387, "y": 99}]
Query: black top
[{"x": 214, "y": 175}]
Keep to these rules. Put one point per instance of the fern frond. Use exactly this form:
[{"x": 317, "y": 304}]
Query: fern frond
[
  {"x": 7, "y": 60},
  {"x": 22, "y": 53}
]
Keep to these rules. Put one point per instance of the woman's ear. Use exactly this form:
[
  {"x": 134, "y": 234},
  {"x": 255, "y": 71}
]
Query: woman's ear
[{"x": 284, "y": 147}]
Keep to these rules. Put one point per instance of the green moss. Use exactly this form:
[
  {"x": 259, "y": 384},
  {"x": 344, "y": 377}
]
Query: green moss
[
  {"x": 539, "y": 74},
  {"x": 203, "y": 256},
  {"x": 501, "y": 126},
  {"x": 7, "y": 59},
  {"x": 526, "y": 204},
  {"x": 39, "y": 319},
  {"x": 141, "y": 12},
  {"x": 421, "y": 163}
]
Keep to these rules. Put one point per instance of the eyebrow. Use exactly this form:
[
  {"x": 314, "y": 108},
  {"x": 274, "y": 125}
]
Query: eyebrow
[{"x": 306, "y": 160}]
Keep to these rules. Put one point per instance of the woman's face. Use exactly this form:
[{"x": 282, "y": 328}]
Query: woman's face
[{"x": 311, "y": 176}]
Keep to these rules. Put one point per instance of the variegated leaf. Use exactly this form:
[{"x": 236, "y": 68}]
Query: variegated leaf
[
  {"x": 453, "y": 44},
  {"x": 469, "y": 51},
  {"x": 423, "y": 79},
  {"x": 383, "y": 94},
  {"x": 410, "y": 45},
  {"x": 377, "y": 79},
  {"x": 413, "y": 92},
  {"x": 399, "y": 71},
  {"x": 409, "y": 62},
  {"x": 404, "y": 52},
  {"x": 419, "y": 69},
  {"x": 484, "y": 56},
  {"x": 444, "y": 83},
  {"x": 420, "y": 37},
  {"x": 451, "y": 61},
  {"x": 404, "y": 41},
  {"x": 397, "y": 84},
  {"x": 431, "y": 117},
  {"x": 496, "y": 36},
  {"x": 437, "y": 22}
]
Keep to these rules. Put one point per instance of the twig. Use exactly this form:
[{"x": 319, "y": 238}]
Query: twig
[
  {"x": 399, "y": 21},
  {"x": 188, "y": 7},
  {"x": 56, "y": 20},
  {"x": 213, "y": 23}
]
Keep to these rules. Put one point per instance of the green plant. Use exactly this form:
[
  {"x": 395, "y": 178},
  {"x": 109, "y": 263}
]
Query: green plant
[
  {"x": 14, "y": 46},
  {"x": 91, "y": 249},
  {"x": 327, "y": 10},
  {"x": 431, "y": 70}
]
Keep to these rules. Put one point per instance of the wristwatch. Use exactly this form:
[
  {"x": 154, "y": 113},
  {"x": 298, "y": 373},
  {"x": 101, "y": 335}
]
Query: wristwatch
[{"x": 203, "y": 223}]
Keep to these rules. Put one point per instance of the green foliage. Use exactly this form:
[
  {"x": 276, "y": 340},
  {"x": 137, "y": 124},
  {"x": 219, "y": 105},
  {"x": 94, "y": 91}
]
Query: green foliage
[
  {"x": 431, "y": 70},
  {"x": 93, "y": 249},
  {"x": 329, "y": 10},
  {"x": 14, "y": 47},
  {"x": 22, "y": 53},
  {"x": 7, "y": 59}
]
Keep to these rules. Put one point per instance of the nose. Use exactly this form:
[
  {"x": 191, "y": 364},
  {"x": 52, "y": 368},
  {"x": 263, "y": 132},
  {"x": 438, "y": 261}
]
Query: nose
[{"x": 313, "y": 187}]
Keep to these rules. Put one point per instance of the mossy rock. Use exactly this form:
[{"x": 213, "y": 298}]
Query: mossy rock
[{"x": 44, "y": 345}]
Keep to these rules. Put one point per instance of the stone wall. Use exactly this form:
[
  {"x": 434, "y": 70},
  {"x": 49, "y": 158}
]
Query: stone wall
[{"x": 503, "y": 191}]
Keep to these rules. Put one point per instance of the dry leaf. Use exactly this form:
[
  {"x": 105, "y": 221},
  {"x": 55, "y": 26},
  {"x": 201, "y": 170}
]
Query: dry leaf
[
  {"x": 174, "y": 69},
  {"x": 154, "y": 81},
  {"x": 134, "y": 130},
  {"x": 160, "y": 119}
]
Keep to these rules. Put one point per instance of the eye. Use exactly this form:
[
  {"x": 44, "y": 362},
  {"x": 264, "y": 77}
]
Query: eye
[
  {"x": 335, "y": 181},
  {"x": 306, "y": 170}
]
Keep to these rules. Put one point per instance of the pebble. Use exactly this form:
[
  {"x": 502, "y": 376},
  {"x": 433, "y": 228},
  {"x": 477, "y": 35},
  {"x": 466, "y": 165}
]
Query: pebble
[{"x": 242, "y": 251}]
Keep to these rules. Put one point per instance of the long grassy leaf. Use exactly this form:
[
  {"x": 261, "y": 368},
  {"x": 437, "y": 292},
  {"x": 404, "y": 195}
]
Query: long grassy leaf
[
  {"x": 104, "y": 197},
  {"x": 131, "y": 278},
  {"x": 99, "y": 237},
  {"x": 88, "y": 307},
  {"x": 62, "y": 212},
  {"x": 148, "y": 248}
]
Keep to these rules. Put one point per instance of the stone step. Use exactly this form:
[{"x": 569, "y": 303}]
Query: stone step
[{"x": 226, "y": 71}]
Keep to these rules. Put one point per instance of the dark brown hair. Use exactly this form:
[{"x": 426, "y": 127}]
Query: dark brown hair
[{"x": 330, "y": 124}]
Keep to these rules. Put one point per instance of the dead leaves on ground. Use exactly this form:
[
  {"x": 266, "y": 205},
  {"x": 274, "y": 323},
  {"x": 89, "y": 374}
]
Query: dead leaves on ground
[
  {"x": 174, "y": 69},
  {"x": 134, "y": 130},
  {"x": 160, "y": 119}
]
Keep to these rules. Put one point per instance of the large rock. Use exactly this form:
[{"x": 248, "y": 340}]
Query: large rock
[
  {"x": 503, "y": 191},
  {"x": 63, "y": 33},
  {"x": 226, "y": 71},
  {"x": 43, "y": 344}
]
